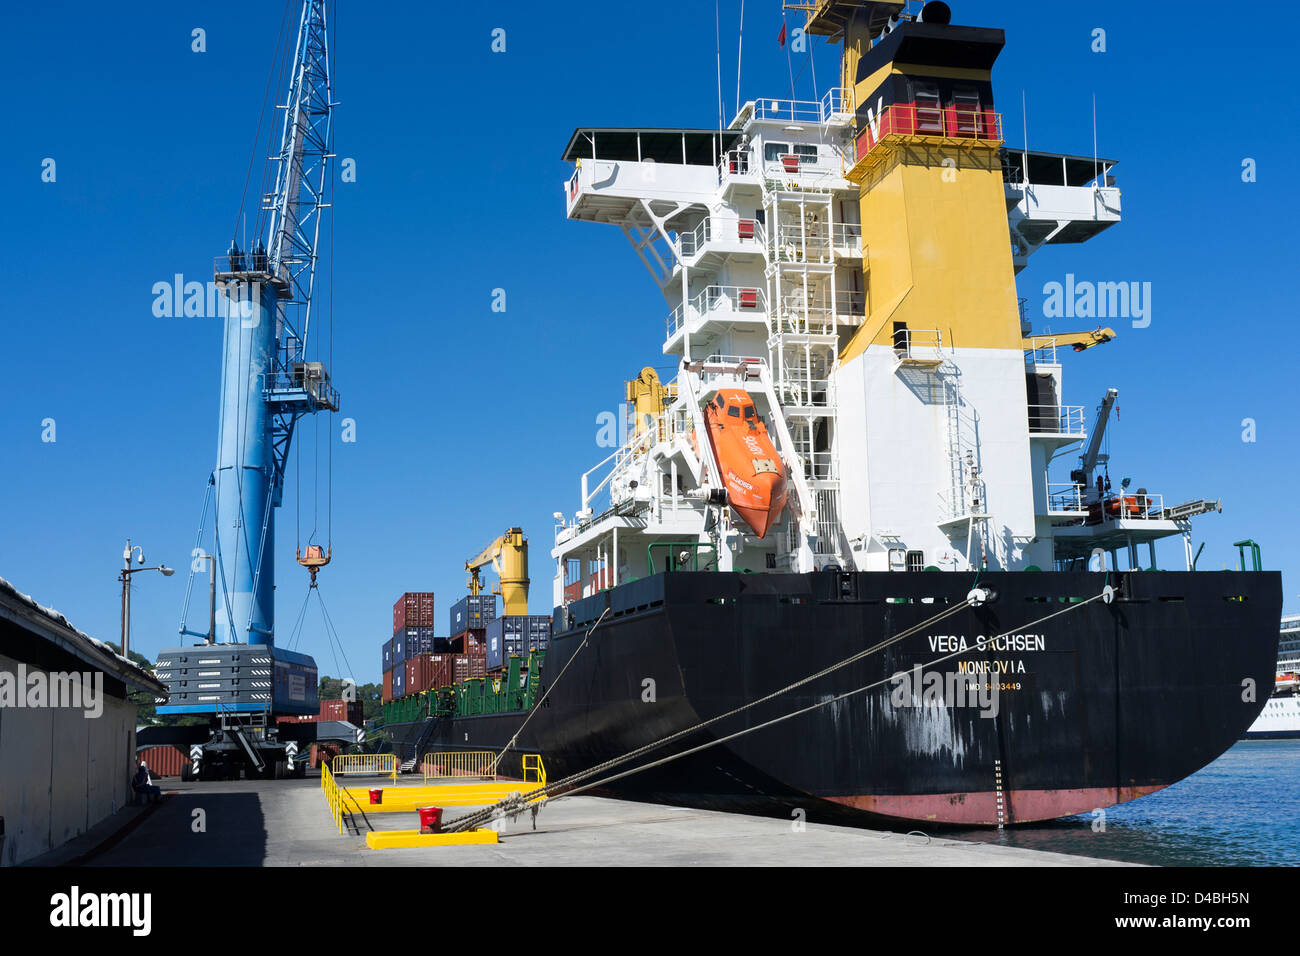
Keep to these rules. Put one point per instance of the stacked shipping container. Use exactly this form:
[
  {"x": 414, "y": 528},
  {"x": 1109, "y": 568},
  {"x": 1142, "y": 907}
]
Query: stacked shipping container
[
  {"x": 473, "y": 613},
  {"x": 466, "y": 666},
  {"x": 414, "y": 661},
  {"x": 507, "y": 636},
  {"x": 413, "y": 609},
  {"x": 415, "y": 640},
  {"x": 428, "y": 672}
]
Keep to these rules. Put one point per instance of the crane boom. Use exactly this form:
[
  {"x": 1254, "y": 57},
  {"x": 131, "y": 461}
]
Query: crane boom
[
  {"x": 1079, "y": 341},
  {"x": 1091, "y": 454},
  {"x": 508, "y": 556}
]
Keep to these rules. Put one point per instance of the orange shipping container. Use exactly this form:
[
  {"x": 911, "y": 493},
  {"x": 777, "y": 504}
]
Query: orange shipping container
[
  {"x": 469, "y": 642},
  {"x": 387, "y": 693},
  {"x": 428, "y": 672},
  {"x": 338, "y": 709},
  {"x": 413, "y": 609},
  {"x": 163, "y": 761},
  {"x": 469, "y": 665}
]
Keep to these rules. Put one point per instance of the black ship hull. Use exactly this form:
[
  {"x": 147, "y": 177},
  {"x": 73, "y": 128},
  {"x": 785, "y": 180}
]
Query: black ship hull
[{"x": 1100, "y": 704}]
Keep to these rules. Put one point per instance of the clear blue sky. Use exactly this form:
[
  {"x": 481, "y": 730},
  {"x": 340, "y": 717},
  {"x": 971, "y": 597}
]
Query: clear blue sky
[{"x": 469, "y": 421}]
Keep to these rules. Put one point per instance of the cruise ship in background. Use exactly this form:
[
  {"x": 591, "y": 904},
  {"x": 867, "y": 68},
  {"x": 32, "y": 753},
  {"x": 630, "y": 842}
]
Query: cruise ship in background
[{"x": 1280, "y": 717}]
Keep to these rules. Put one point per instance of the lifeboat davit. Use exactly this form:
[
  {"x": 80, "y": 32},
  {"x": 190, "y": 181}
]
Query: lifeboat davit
[{"x": 751, "y": 468}]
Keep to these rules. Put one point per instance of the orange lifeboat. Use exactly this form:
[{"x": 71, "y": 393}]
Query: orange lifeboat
[{"x": 751, "y": 468}]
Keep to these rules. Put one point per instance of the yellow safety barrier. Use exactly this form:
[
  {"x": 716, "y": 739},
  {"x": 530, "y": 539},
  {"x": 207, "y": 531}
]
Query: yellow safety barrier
[
  {"x": 533, "y": 764},
  {"x": 468, "y": 794},
  {"x": 365, "y": 763},
  {"x": 468, "y": 763},
  {"x": 392, "y": 839},
  {"x": 333, "y": 796}
]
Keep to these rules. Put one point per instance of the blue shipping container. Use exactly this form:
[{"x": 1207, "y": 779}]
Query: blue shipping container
[
  {"x": 516, "y": 635},
  {"x": 473, "y": 613}
]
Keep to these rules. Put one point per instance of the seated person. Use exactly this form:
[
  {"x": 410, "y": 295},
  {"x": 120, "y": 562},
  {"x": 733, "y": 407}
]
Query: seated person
[{"x": 143, "y": 786}]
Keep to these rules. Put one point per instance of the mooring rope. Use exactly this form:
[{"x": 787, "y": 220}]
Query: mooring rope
[
  {"x": 511, "y": 742},
  {"x": 514, "y": 804}
]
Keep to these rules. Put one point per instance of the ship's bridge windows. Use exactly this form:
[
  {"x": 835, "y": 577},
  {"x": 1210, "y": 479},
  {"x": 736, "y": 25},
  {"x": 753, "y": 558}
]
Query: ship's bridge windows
[
  {"x": 966, "y": 107},
  {"x": 798, "y": 154},
  {"x": 929, "y": 114}
]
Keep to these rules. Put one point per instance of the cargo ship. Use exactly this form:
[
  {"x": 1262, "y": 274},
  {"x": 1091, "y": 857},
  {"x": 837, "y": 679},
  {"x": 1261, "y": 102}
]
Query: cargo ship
[
  {"x": 843, "y": 507},
  {"x": 1280, "y": 718}
]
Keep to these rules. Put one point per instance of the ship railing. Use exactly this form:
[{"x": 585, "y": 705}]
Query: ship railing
[
  {"x": 818, "y": 465},
  {"x": 713, "y": 298},
  {"x": 1057, "y": 420},
  {"x": 1065, "y": 498},
  {"x": 792, "y": 244},
  {"x": 849, "y": 304},
  {"x": 677, "y": 318},
  {"x": 664, "y": 428},
  {"x": 847, "y": 239},
  {"x": 796, "y": 316},
  {"x": 717, "y": 368},
  {"x": 1041, "y": 351},
  {"x": 690, "y": 244},
  {"x": 1137, "y": 506},
  {"x": 918, "y": 343},
  {"x": 831, "y": 105},
  {"x": 800, "y": 392},
  {"x": 736, "y": 162},
  {"x": 956, "y": 124},
  {"x": 795, "y": 173}
]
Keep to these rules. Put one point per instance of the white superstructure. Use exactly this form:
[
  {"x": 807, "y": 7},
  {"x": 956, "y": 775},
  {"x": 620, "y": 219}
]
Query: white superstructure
[{"x": 915, "y": 411}]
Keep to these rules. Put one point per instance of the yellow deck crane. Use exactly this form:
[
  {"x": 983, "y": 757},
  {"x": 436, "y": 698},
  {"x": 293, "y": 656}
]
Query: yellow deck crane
[
  {"x": 508, "y": 556},
  {"x": 1079, "y": 341}
]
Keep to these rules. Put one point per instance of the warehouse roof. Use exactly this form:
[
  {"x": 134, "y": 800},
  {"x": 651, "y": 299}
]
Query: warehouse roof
[{"x": 51, "y": 625}]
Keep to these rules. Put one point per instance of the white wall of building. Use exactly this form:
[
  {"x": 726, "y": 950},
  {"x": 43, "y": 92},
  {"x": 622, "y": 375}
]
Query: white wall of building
[{"x": 61, "y": 772}]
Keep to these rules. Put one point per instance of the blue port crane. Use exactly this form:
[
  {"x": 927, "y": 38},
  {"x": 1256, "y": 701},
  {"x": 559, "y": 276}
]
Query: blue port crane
[{"x": 268, "y": 386}]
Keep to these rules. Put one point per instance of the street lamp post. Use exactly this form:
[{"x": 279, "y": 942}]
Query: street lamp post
[{"x": 125, "y": 578}]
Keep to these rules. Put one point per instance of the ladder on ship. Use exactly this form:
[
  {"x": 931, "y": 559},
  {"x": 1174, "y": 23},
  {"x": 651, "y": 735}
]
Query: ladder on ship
[{"x": 803, "y": 344}]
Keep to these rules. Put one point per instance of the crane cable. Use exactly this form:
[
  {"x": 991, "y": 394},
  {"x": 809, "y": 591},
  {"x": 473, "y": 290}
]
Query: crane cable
[{"x": 517, "y": 803}]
